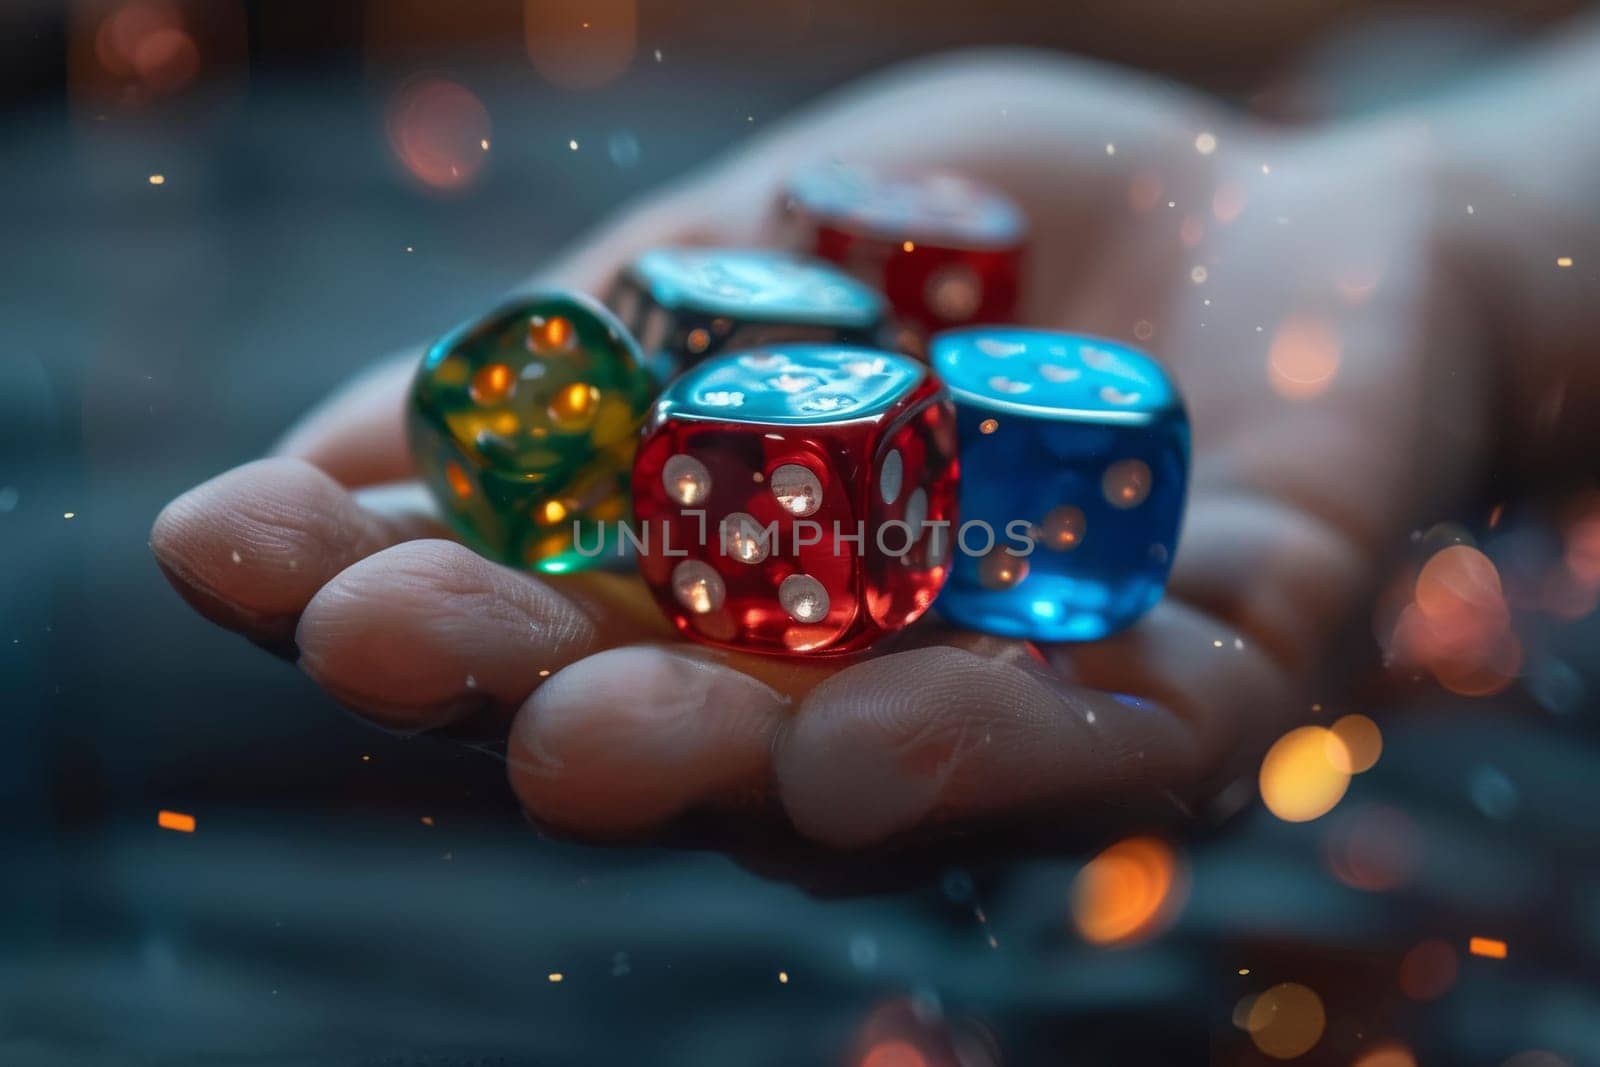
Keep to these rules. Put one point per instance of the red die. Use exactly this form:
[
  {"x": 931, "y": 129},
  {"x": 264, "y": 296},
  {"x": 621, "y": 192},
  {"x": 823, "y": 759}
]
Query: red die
[
  {"x": 797, "y": 498},
  {"x": 944, "y": 250}
]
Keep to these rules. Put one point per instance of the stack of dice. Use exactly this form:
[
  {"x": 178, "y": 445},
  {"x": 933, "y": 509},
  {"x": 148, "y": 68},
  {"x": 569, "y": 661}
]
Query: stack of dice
[{"x": 805, "y": 451}]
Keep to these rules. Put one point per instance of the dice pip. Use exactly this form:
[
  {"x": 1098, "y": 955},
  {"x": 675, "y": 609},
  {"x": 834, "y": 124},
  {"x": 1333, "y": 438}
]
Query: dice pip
[
  {"x": 524, "y": 424},
  {"x": 688, "y": 304},
  {"x": 797, "y": 498},
  {"x": 945, "y": 250},
  {"x": 1075, "y": 456}
]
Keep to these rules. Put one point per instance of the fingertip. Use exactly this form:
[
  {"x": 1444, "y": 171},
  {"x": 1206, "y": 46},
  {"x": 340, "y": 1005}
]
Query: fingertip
[
  {"x": 250, "y": 546},
  {"x": 857, "y": 763},
  {"x": 627, "y": 739},
  {"x": 418, "y": 635}
]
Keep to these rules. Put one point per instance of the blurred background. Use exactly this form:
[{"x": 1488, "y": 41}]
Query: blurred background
[{"x": 215, "y": 210}]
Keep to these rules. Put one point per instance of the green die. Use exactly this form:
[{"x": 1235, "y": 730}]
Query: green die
[{"x": 524, "y": 423}]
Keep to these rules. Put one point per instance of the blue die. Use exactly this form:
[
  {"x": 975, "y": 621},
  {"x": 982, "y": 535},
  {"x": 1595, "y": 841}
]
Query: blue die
[{"x": 1075, "y": 456}]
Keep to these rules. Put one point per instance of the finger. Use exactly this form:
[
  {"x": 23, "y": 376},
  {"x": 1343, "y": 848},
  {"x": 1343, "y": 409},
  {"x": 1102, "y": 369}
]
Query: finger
[
  {"x": 1280, "y": 576},
  {"x": 428, "y": 632},
  {"x": 624, "y": 741},
  {"x": 250, "y": 547},
  {"x": 943, "y": 736},
  {"x": 358, "y": 435}
]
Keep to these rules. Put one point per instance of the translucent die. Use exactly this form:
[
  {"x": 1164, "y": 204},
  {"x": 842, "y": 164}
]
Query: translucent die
[
  {"x": 797, "y": 498},
  {"x": 1079, "y": 447},
  {"x": 524, "y": 425},
  {"x": 686, "y": 305},
  {"x": 945, "y": 250}
]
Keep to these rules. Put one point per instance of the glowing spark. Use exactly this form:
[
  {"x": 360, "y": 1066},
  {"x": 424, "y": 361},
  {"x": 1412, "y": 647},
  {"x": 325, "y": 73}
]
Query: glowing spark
[
  {"x": 1206, "y": 143},
  {"x": 1487, "y": 947},
  {"x": 1198, "y": 275},
  {"x": 545, "y": 673},
  {"x": 175, "y": 820},
  {"x": 427, "y": 820},
  {"x": 1244, "y": 970},
  {"x": 1111, "y": 149},
  {"x": 658, "y": 55},
  {"x": 485, "y": 144},
  {"x": 909, "y": 246},
  {"x": 573, "y": 145},
  {"x": 1563, "y": 261},
  {"x": 1265, "y": 169},
  {"x": 161, "y": 179},
  {"x": 783, "y": 977},
  {"x": 555, "y": 977},
  {"x": 68, "y": 514}
]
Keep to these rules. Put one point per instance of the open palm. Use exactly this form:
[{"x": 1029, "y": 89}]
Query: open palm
[{"x": 1290, "y": 285}]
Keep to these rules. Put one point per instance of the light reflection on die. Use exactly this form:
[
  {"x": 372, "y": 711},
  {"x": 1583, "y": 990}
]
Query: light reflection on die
[
  {"x": 749, "y": 497},
  {"x": 1084, "y": 443},
  {"x": 689, "y": 304}
]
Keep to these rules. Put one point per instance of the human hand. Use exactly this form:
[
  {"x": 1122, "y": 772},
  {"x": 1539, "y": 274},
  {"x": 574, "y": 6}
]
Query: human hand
[{"x": 1335, "y": 382}]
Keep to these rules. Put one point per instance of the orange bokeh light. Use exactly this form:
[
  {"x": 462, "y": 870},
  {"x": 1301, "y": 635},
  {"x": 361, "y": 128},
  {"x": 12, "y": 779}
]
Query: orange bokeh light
[
  {"x": 1129, "y": 892},
  {"x": 1487, "y": 947},
  {"x": 1303, "y": 358},
  {"x": 1457, "y": 625},
  {"x": 175, "y": 820},
  {"x": 580, "y": 44},
  {"x": 1389, "y": 1054},
  {"x": 894, "y": 1053},
  {"x": 1357, "y": 744},
  {"x": 1286, "y": 1021},
  {"x": 437, "y": 129},
  {"x": 1299, "y": 779}
]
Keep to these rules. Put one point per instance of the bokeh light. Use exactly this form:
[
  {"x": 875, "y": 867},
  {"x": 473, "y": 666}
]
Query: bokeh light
[
  {"x": 1129, "y": 892},
  {"x": 136, "y": 52},
  {"x": 1388, "y": 1054},
  {"x": 580, "y": 44},
  {"x": 437, "y": 129},
  {"x": 1303, "y": 358},
  {"x": 1299, "y": 781},
  {"x": 894, "y": 1053},
  {"x": 1457, "y": 624},
  {"x": 1227, "y": 203},
  {"x": 1488, "y": 947},
  {"x": 1373, "y": 848},
  {"x": 1286, "y": 1021},
  {"x": 1429, "y": 970},
  {"x": 1357, "y": 744}
]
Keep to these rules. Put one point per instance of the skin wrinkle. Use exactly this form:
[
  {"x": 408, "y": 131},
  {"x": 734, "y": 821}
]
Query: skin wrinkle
[
  {"x": 988, "y": 747},
  {"x": 471, "y": 607},
  {"x": 687, "y": 731}
]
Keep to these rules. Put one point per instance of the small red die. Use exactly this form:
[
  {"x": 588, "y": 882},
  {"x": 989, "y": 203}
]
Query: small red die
[
  {"x": 945, "y": 250},
  {"x": 797, "y": 499}
]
